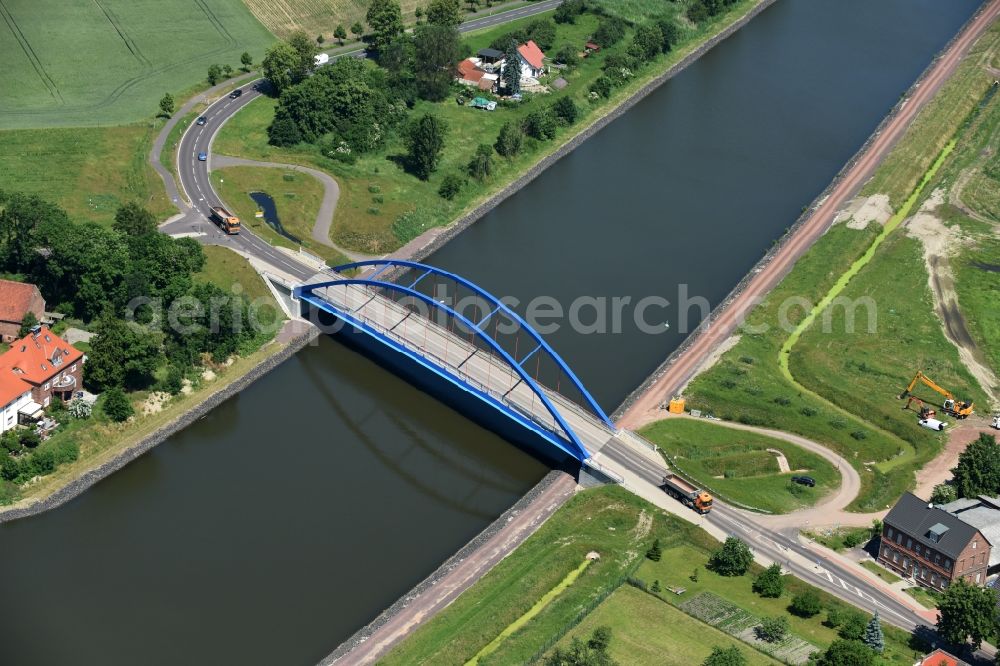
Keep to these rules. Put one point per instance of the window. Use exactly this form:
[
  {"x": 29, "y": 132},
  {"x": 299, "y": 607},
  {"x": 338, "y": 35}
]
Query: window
[
  {"x": 961, "y": 565},
  {"x": 937, "y": 559},
  {"x": 918, "y": 549},
  {"x": 899, "y": 538},
  {"x": 934, "y": 579},
  {"x": 885, "y": 553},
  {"x": 975, "y": 544},
  {"x": 72, "y": 368},
  {"x": 923, "y": 573},
  {"x": 895, "y": 557},
  {"x": 947, "y": 564},
  {"x": 888, "y": 532},
  {"x": 909, "y": 543},
  {"x": 978, "y": 575},
  {"x": 46, "y": 387}
]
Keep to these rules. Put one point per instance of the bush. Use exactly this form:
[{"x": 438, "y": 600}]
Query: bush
[
  {"x": 540, "y": 125},
  {"x": 450, "y": 186},
  {"x": 80, "y": 409},
  {"x": 846, "y": 653},
  {"x": 654, "y": 553},
  {"x": 805, "y": 604},
  {"x": 772, "y": 629},
  {"x": 117, "y": 405},
  {"x": 510, "y": 140},
  {"x": 565, "y": 110},
  {"x": 859, "y": 435},
  {"x": 29, "y": 439},
  {"x": 770, "y": 583},
  {"x": 783, "y": 401},
  {"x": 602, "y": 86},
  {"x": 174, "y": 381},
  {"x": 378, "y": 198},
  {"x": 725, "y": 656},
  {"x": 732, "y": 559},
  {"x": 808, "y": 411}
]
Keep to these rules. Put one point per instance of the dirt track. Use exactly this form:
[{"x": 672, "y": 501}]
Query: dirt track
[{"x": 645, "y": 408}]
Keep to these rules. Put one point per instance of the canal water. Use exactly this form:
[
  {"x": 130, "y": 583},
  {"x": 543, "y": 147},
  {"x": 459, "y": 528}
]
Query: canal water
[
  {"x": 682, "y": 195},
  {"x": 289, "y": 517}
]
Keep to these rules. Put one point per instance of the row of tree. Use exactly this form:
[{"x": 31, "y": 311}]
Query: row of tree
[{"x": 977, "y": 472}]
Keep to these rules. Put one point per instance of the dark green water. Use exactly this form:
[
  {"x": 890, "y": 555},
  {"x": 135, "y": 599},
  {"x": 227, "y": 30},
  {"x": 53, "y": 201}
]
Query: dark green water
[{"x": 273, "y": 529}]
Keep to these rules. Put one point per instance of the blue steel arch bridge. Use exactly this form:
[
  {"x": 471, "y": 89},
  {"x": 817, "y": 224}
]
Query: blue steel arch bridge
[{"x": 462, "y": 333}]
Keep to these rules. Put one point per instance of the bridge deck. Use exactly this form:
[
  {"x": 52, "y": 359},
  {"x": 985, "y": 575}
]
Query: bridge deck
[{"x": 463, "y": 359}]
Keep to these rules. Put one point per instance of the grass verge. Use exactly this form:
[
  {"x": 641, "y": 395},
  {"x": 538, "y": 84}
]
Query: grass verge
[
  {"x": 881, "y": 572},
  {"x": 737, "y": 465}
]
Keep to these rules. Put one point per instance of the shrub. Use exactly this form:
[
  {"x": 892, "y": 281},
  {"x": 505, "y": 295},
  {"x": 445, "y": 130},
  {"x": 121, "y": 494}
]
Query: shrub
[
  {"x": 373, "y": 210},
  {"x": 783, "y": 401},
  {"x": 29, "y": 439},
  {"x": 510, "y": 140},
  {"x": 805, "y": 604},
  {"x": 80, "y": 409},
  {"x": 772, "y": 629},
  {"x": 808, "y": 411},
  {"x": 117, "y": 405},
  {"x": 450, "y": 186},
  {"x": 770, "y": 583},
  {"x": 725, "y": 656},
  {"x": 378, "y": 198},
  {"x": 602, "y": 86},
  {"x": 749, "y": 360},
  {"x": 540, "y": 125},
  {"x": 859, "y": 435},
  {"x": 374, "y": 189},
  {"x": 654, "y": 553},
  {"x": 565, "y": 110}
]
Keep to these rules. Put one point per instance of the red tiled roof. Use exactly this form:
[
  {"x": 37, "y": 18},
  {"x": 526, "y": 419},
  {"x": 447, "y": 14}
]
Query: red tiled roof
[
  {"x": 36, "y": 358},
  {"x": 467, "y": 71},
  {"x": 15, "y": 299},
  {"x": 939, "y": 658},
  {"x": 531, "y": 53},
  {"x": 11, "y": 387}
]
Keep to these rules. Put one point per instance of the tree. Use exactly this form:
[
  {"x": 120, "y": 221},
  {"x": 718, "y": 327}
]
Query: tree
[
  {"x": 28, "y": 322},
  {"x": 873, "y": 637},
  {"x": 510, "y": 139},
  {"x": 357, "y": 29},
  {"x": 340, "y": 33},
  {"x": 669, "y": 31},
  {"x": 117, "y": 405},
  {"x": 600, "y": 640},
  {"x": 305, "y": 55},
  {"x": 805, "y": 604},
  {"x": 277, "y": 66},
  {"x": 770, "y": 583},
  {"x": 565, "y": 110},
  {"x": 725, "y": 656},
  {"x": 978, "y": 470},
  {"x": 655, "y": 587},
  {"x": 435, "y": 52},
  {"x": 967, "y": 612},
  {"x": 853, "y": 626},
  {"x": 647, "y": 42},
  {"x": 320, "y": 39},
  {"x": 246, "y": 60},
  {"x": 131, "y": 219},
  {"x": 568, "y": 54},
  {"x": 425, "y": 141},
  {"x": 214, "y": 74},
  {"x": 418, "y": 14},
  {"x": 654, "y": 552},
  {"x": 446, "y": 13},
  {"x": 772, "y": 629},
  {"x": 592, "y": 653},
  {"x": 540, "y": 124},
  {"x": 386, "y": 21},
  {"x": 568, "y": 11},
  {"x": 451, "y": 185},
  {"x": 511, "y": 74},
  {"x": 733, "y": 559},
  {"x": 283, "y": 132},
  {"x": 602, "y": 86},
  {"x": 227, "y": 70},
  {"x": 481, "y": 165},
  {"x": 697, "y": 11},
  {"x": 167, "y": 105},
  {"x": 174, "y": 381},
  {"x": 847, "y": 653},
  {"x": 610, "y": 31},
  {"x": 121, "y": 356},
  {"x": 542, "y": 32},
  {"x": 29, "y": 438},
  {"x": 943, "y": 493}
]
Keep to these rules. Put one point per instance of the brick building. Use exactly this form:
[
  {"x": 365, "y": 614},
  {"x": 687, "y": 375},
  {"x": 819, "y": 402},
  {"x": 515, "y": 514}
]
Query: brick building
[
  {"x": 44, "y": 364},
  {"x": 16, "y": 300},
  {"x": 931, "y": 546}
]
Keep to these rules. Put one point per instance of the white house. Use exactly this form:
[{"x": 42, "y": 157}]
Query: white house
[
  {"x": 15, "y": 396},
  {"x": 532, "y": 65}
]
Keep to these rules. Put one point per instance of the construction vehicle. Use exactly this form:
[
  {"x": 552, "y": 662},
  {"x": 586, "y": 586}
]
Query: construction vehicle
[
  {"x": 925, "y": 411},
  {"x": 688, "y": 494},
  {"x": 226, "y": 220},
  {"x": 960, "y": 409},
  {"x": 995, "y": 423}
]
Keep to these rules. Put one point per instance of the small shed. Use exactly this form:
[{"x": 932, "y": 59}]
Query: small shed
[
  {"x": 490, "y": 56},
  {"x": 592, "y": 47}
]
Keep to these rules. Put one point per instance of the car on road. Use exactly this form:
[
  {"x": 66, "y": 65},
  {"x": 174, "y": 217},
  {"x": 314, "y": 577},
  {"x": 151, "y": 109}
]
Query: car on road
[
  {"x": 201, "y": 120},
  {"x": 202, "y": 156},
  {"x": 804, "y": 481},
  {"x": 236, "y": 93}
]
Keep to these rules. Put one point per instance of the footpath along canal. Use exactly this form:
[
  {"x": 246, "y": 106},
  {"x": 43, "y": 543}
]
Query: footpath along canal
[{"x": 274, "y": 528}]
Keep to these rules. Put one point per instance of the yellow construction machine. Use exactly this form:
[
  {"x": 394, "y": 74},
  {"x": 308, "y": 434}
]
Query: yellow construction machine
[{"x": 960, "y": 409}]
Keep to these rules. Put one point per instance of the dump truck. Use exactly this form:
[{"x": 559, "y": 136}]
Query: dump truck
[
  {"x": 226, "y": 220},
  {"x": 688, "y": 494}
]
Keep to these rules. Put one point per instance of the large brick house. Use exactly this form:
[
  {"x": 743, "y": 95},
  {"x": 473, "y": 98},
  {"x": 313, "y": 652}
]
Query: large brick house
[
  {"x": 16, "y": 300},
  {"x": 44, "y": 364},
  {"x": 931, "y": 546}
]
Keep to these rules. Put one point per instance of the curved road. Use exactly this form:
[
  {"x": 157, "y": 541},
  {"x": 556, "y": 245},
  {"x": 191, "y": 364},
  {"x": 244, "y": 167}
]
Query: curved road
[
  {"x": 195, "y": 195},
  {"x": 726, "y": 321}
]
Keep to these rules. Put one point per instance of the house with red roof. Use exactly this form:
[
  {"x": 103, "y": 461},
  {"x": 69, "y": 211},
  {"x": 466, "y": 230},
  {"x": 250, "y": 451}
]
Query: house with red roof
[
  {"x": 532, "y": 60},
  {"x": 16, "y": 300},
  {"x": 940, "y": 658},
  {"x": 44, "y": 366}
]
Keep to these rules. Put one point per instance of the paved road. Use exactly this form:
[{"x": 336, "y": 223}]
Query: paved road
[
  {"x": 195, "y": 195},
  {"x": 725, "y": 323}
]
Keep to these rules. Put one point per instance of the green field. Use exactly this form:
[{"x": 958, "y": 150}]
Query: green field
[
  {"x": 364, "y": 225},
  {"x": 87, "y": 171},
  {"x": 297, "y": 197},
  {"x": 103, "y": 62},
  {"x": 638, "y": 622},
  {"x": 735, "y": 465}
]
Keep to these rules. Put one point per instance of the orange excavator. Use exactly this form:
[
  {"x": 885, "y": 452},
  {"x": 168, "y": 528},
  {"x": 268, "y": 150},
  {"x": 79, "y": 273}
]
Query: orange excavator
[
  {"x": 925, "y": 410},
  {"x": 959, "y": 409}
]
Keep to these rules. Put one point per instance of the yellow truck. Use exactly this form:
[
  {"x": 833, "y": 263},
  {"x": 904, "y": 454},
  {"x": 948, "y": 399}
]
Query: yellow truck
[
  {"x": 688, "y": 494},
  {"x": 226, "y": 220}
]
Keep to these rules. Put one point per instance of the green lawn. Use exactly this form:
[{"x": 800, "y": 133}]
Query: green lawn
[
  {"x": 609, "y": 520},
  {"x": 224, "y": 268},
  {"x": 926, "y": 597},
  {"x": 881, "y": 572},
  {"x": 87, "y": 171},
  {"x": 89, "y": 62},
  {"x": 639, "y": 624},
  {"x": 675, "y": 569},
  {"x": 735, "y": 465},
  {"x": 365, "y": 225},
  {"x": 297, "y": 197},
  {"x": 839, "y": 538}
]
